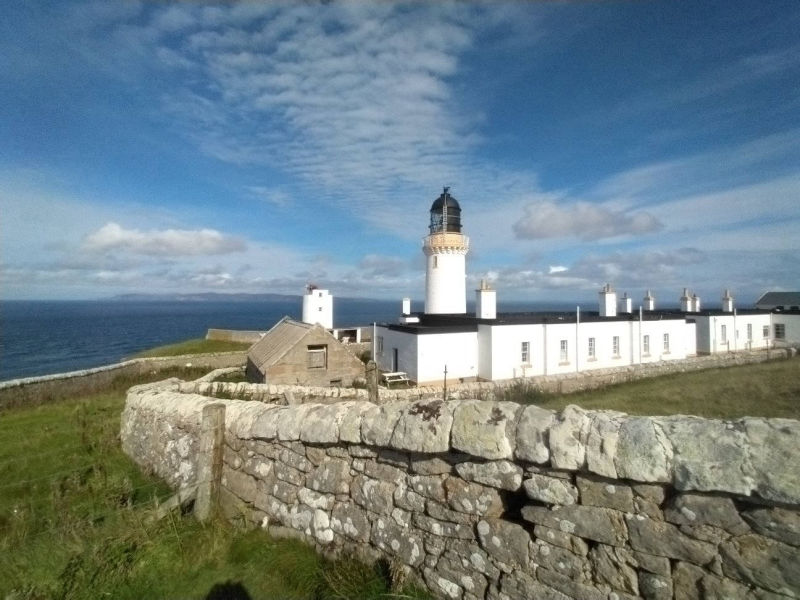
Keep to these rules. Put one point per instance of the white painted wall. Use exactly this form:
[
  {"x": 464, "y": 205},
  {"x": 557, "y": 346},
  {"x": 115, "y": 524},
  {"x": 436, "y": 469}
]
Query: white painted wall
[
  {"x": 458, "y": 351},
  {"x": 792, "y": 324},
  {"x": 445, "y": 283},
  {"x": 318, "y": 308},
  {"x": 709, "y": 332},
  {"x": 406, "y": 344}
]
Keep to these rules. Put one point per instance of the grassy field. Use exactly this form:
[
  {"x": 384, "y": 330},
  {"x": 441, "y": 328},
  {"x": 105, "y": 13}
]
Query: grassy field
[
  {"x": 769, "y": 389},
  {"x": 73, "y": 523},
  {"x": 196, "y": 346}
]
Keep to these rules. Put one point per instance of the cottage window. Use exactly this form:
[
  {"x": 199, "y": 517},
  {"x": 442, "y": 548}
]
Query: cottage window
[
  {"x": 379, "y": 345},
  {"x": 591, "y": 347},
  {"x": 666, "y": 343},
  {"x": 646, "y": 345},
  {"x": 615, "y": 346},
  {"x": 526, "y": 352},
  {"x": 564, "y": 351},
  {"x": 723, "y": 333},
  {"x": 765, "y": 332},
  {"x": 749, "y": 332},
  {"x": 317, "y": 357},
  {"x": 780, "y": 331}
]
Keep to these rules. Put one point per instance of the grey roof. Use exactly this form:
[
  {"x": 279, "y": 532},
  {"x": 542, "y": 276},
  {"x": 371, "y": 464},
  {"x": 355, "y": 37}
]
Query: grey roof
[
  {"x": 277, "y": 342},
  {"x": 771, "y": 299}
]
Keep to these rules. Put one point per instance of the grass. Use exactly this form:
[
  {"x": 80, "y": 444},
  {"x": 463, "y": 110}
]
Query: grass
[
  {"x": 770, "y": 389},
  {"x": 73, "y": 523},
  {"x": 196, "y": 346}
]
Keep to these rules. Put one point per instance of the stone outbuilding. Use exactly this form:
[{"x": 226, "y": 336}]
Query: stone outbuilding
[{"x": 301, "y": 354}]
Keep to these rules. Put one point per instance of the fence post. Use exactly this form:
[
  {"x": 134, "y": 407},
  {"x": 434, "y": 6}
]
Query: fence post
[
  {"x": 209, "y": 461},
  {"x": 372, "y": 381}
]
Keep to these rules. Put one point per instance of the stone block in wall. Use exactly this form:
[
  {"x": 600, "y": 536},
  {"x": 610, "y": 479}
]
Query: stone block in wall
[
  {"x": 777, "y": 523},
  {"x": 601, "y": 443},
  {"x": 658, "y": 565},
  {"x": 384, "y": 472},
  {"x": 401, "y": 542},
  {"x": 643, "y": 451},
  {"x": 665, "y": 539},
  {"x": 560, "y": 560},
  {"x": 501, "y": 474},
  {"x": 472, "y": 498},
  {"x": 373, "y": 494},
  {"x": 314, "y": 499},
  {"x": 361, "y": 452},
  {"x": 485, "y": 429},
  {"x": 289, "y": 421},
  {"x": 289, "y": 474},
  {"x": 429, "y": 486},
  {"x": 408, "y": 499},
  {"x": 350, "y": 426},
  {"x": 774, "y": 446},
  {"x": 331, "y": 477},
  {"x": 424, "y": 426},
  {"x": 315, "y": 455},
  {"x": 615, "y": 567},
  {"x": 560, "y": 538},
  {"x": 709, "y": 455},
  {"x": 532, "y": 434},
  {"x": 350, "y": 521},
  {"x": 257, "y": 466},
  {"x": 519, "y": 585},
  {"x": 567, "y": 438},
  {"x": 265, "y": 425},
  {"x": 443, "y": 513},
  {"x": 550, "y": 490},
  {"x": 566, "y": 585},
  {"x": 284, "y": 491},
  {"x": 763, "y": 562},
  {"x": 463, "y": 531},
  {"x": 422, "y": 465},
  {"x": 648, "y": 499},
  {"x": 599, "y": 491},
  {"x": 378, "y": 423},
  {"x": 474, "y": 557},
  {"x": 240, "y": 484},
  {"x": 295, "y": 460},
  {"x": 457, "y": 569},
  {"x": 337, "y": 452},
  {"x": 654, "y": 587},
  {"x": 590, "y": 522},
  {"x": 697, "y": 509},
  {"x": 321, "y": 424},
  {"x": 442, "y": 586}
]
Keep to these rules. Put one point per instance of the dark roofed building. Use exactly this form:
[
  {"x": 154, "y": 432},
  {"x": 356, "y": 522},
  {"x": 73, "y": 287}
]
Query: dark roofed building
[
  {"x": 779, "y": 300},
  {"x": 302, "y": 354}
]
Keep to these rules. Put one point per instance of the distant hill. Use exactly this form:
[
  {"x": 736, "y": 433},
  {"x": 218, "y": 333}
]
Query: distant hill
[{"x": 206, "y": 297}]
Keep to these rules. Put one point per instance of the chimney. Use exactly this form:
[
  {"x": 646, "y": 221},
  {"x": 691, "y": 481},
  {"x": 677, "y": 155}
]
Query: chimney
[
  {"x": 625, "y": 304},
  {"x": 727, "y": 302},
  {"x": 695, "y": 303},
  {"x": 608, "y": 301},
  {"x": 485, "y": 302},
  {"x": 686, "y": 301},
  {"x": 406, "y": 306},
  {"x": 649, "y": 301}
]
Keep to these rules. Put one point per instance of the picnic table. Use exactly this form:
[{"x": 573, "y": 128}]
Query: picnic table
[{"x": 396, "y": 377}]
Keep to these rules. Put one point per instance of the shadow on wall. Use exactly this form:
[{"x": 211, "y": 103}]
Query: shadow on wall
[{"x": 230, "y": 590}]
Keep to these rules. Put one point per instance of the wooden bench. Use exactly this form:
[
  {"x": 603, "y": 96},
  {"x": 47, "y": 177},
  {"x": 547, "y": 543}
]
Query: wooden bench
[{"x": 396, "y": 377}]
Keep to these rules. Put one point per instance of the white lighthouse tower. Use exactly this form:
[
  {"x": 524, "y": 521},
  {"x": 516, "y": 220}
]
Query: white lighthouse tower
[{"x": 445, "y": 249}]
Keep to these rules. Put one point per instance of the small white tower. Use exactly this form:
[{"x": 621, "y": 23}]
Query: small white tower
[
  {"x": 649, "y": 301},
  {"x": 445, "y": 249},
  {"x": 625, "y": 304},
  {"x": 485, "y": 301},
  {"x": 318, "y": 307},
  {"x": 727, "y": 302},
  {"x": 686, "y": 301},
  {"x": 608, "y": 301},
  {"x": 695, "y": 303}
]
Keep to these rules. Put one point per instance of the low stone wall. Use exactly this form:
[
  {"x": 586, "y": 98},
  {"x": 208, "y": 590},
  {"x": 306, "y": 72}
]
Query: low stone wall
[
  {"x": 492, "y": 500},
  {"x": 234, "y": 335},
  {"x": 47, "y": 388}
]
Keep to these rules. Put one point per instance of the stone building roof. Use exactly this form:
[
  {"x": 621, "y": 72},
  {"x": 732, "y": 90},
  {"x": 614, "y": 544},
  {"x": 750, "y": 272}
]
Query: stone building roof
[
  {"x": 772, "y": 300},
  {"x": 277, "y": 342}
]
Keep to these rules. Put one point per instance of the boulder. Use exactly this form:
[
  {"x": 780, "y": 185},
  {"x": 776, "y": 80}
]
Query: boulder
[{"x": 485, "y": 429}]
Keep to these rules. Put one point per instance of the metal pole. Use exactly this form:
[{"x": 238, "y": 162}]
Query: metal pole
[{"x": 444, "y": 395}]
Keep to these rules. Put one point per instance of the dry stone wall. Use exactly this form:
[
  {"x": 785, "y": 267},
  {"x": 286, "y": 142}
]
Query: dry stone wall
[{"x": 493, "y": 500}]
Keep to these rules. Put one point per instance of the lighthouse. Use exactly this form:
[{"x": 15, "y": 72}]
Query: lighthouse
[{"x": 445, "y": 249}]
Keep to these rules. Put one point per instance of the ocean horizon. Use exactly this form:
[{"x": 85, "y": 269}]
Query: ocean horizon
[{"x": 42, "y": 337}]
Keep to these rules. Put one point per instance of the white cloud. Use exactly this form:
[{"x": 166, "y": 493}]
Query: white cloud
[
  {"x": 582, "y": 220},
  {"x": 168, "y": 242},
  {"x": 556, "y": 269}
]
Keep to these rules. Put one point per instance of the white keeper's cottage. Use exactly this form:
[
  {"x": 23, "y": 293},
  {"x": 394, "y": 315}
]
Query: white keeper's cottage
[{"x": 445, "y": 341}]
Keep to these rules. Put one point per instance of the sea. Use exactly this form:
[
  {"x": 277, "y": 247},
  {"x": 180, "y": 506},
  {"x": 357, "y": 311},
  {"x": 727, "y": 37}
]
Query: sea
[{"x": 45, "y": 337}]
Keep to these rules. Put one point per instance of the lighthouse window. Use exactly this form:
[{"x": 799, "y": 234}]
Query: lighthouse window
[
  {"x": 435, "y": 262},
  {"x": 526, "y": 352},
  {"x": 317, "y": 357}
]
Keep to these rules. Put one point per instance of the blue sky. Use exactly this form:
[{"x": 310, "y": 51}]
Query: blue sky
[{"x": 248, "y": 147}]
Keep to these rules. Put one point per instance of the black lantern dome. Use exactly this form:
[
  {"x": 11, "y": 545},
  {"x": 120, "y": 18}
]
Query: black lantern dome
[{"x": 445, "y": 213}]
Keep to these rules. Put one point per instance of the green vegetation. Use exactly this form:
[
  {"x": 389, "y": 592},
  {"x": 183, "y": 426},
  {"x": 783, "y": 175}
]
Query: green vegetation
[
  {"x": 74, "y": 523},
  {"x": 196, "y": 346},
  {"x": 234, "y": 377},
  {"x": 769, "y": 389}
]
